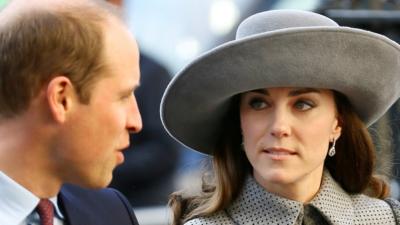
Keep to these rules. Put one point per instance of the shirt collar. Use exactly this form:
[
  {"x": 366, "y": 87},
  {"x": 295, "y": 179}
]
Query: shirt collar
[
  {"x": 57, "y": 210},
  {"x": 262, "y": 206},
  {"x": 17, "y": 202}
]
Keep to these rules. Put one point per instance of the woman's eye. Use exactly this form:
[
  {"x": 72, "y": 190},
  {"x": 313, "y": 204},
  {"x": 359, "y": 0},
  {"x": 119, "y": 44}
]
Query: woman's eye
[
  {"x": 303, "y": 105},
  {"x": 258, "y": 104}
]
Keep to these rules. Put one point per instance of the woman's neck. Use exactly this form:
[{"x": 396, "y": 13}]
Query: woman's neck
[{"x": 302, "y": 189}]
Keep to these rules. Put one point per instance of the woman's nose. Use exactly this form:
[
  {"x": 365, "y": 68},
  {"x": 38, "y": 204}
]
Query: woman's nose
[{"x": 280, "y": 124}]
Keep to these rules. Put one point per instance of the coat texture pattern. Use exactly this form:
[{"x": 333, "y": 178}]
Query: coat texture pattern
[{"x": 332, "y": 205}]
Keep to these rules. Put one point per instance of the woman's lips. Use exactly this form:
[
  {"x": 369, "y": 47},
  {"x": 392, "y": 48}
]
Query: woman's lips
[{"x": 278, "y": 153}]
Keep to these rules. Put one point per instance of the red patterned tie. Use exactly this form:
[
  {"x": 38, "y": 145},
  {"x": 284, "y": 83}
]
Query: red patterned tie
[{"x": 46, "y": 212}]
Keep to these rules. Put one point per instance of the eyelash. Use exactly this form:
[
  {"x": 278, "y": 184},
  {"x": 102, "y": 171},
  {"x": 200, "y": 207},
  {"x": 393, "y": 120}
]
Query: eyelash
[
  {"x": 309, "y": 104},
  {"x": 126, "y": 96},
  {"x": 258, "y": 100}
]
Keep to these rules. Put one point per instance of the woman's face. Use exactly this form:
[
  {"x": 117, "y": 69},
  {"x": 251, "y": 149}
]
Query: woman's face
[{"x": 286, "y": 134}]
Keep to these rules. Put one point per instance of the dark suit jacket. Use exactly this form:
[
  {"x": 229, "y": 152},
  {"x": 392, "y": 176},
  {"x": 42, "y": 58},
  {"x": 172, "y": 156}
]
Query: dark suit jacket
[{"x": 95, "y": 207}]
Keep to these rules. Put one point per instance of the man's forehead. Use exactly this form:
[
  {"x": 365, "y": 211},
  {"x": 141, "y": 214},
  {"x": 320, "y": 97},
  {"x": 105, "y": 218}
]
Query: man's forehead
[{"x": 49, "y": 3}]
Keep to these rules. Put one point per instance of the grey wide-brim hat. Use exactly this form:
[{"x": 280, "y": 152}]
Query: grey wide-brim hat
[{"x": 281, "y": 48}]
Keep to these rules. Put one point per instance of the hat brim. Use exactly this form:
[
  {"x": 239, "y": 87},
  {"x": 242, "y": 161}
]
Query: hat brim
[{"x": 360, "y": 64}]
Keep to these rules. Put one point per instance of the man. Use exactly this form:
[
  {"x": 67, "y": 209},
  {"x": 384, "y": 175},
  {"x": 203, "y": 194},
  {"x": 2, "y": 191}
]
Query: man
[
  {"x": 138, "y": 179},
  {"x": 67, "y": 73}
]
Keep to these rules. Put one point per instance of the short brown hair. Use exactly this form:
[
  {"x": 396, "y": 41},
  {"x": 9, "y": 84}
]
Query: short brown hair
[{"x": 39, "y": 44}]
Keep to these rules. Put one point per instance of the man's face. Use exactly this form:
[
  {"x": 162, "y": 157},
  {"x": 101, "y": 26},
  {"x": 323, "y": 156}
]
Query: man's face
[{"x": 96, "y": 133}]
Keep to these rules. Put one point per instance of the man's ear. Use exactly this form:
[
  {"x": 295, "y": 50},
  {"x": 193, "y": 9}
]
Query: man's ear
[{"x": 61, "y": 97}]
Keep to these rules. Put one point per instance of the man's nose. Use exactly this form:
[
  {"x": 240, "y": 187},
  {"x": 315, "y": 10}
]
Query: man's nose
[{"x": 134, "y": 120}]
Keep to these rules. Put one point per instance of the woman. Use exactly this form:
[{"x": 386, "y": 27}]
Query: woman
[{"x": 283, "y": 110}]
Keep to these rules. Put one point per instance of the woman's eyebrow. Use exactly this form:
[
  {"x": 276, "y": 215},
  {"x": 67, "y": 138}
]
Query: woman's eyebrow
[
  {"x": 303, "y": 91},
  {"x": 295, "y": 92},
  {"x": 260, "y": 91}
]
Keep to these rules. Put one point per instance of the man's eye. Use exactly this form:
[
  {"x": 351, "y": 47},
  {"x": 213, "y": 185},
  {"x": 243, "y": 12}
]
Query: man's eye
[
  {"x": 127, "y": 96},
  {"x": 303, "y": 105},
  {"x": 257, "y": 103}
]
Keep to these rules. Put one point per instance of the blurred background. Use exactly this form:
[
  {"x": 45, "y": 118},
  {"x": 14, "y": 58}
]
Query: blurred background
[{"x": 174, "y": 32}]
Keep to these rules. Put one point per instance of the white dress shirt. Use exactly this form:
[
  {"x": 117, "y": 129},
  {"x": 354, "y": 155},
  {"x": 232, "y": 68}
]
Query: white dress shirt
[{"x": 17, "y": 204}]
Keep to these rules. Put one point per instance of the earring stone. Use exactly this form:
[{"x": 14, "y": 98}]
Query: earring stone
[{"x": 332, "y": 149}]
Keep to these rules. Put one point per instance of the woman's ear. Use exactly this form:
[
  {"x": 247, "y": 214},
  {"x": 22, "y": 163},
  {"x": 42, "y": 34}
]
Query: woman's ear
[
  {"x": 336, "y": 128},
  {"x": 60, "y": 96}
]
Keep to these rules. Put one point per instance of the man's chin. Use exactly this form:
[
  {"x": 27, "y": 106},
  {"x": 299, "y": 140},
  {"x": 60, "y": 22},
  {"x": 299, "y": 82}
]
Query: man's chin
[{"x": 93, "y": 183}]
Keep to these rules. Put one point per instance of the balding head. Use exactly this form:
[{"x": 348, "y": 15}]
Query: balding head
[
  {"x": 41, "y": 39},
  {"x": 17, "y": 8}
]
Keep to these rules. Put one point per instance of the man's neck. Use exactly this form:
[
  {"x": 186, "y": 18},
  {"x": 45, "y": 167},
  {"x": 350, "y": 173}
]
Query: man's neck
[{"x": 24, "y": 158}]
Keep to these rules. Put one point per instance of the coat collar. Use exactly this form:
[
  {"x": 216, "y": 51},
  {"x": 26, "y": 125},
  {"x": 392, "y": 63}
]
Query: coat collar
[
  {"x": 261, "y": 206},
  {"x": 333, "y": 202}
]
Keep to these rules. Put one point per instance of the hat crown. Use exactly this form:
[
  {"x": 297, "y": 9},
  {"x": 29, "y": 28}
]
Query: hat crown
[{"x": 281, "y": 19}]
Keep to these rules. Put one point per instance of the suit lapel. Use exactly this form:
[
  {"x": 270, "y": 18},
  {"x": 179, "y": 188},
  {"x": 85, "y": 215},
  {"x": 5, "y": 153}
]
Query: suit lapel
[
  {"x": 74, "y": 211},
  {"x": 100, "y": 207}
]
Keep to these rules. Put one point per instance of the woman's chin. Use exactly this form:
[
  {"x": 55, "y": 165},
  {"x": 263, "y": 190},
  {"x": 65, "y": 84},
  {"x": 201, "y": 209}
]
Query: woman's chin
[{"x": 274, "y": 178}]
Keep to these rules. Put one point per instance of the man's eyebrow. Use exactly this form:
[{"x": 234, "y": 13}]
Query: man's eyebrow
[
  {"x": 130, "y": 90},
  {"x": 301, "y": 91}
]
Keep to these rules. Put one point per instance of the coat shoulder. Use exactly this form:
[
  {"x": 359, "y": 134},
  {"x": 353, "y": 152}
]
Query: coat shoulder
[
  {"x": 373, "y": 209},
  {"x": 395, "y": 206},
  {"x": 363, "y": 202},
  {"x": 220, "y": 218}
]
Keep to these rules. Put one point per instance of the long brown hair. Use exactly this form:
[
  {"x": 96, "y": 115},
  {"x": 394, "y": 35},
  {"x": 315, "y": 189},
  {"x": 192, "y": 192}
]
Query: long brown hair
[
  {"x": 354, "y": 162},
  {"x": 352, "y": 166}
]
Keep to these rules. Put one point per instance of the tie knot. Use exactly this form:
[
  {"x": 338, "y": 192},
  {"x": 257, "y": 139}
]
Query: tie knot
[{"x": 46, "y": 212}]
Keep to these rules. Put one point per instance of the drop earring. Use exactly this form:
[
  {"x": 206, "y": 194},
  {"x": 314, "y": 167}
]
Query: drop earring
[{"x": 332, "y": 150}]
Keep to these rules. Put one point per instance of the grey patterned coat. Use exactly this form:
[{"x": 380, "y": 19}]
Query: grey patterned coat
[{"x": 332, "y": 204}]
